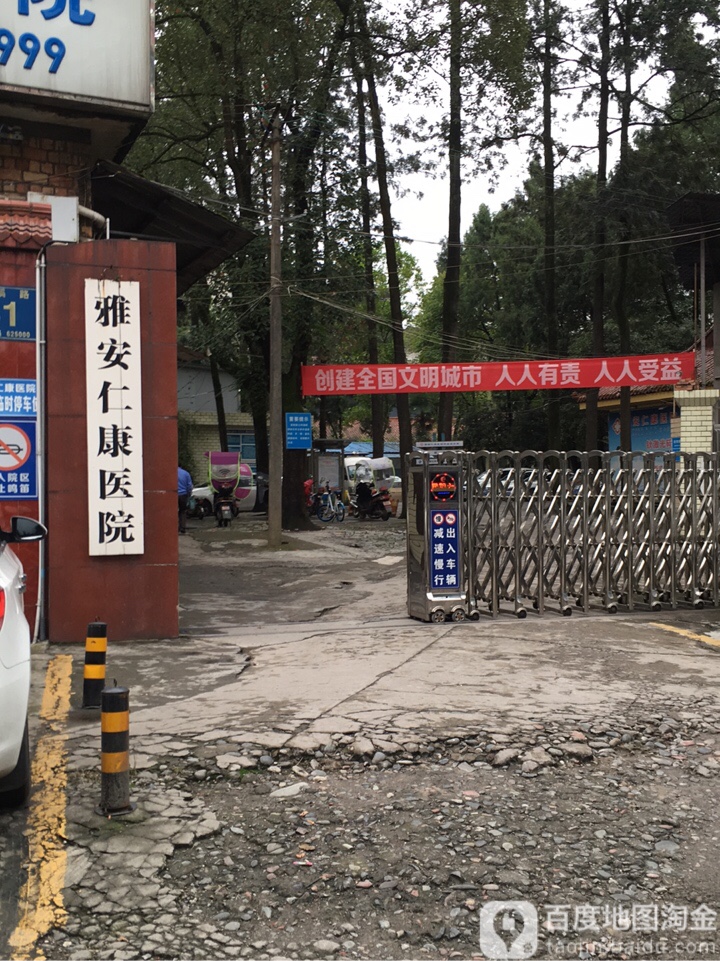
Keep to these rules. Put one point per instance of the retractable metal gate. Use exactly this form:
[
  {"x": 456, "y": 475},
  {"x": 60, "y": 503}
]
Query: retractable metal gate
[{"x": 561, "y": 530}]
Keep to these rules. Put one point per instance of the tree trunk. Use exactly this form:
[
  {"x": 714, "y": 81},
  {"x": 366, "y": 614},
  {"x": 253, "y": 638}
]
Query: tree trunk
[
  {"x": 451, "y": 283},
  {"x": 254, "y": 390},
  {"x": 401, "y": 400},
  {"x": 551, "y": 320},
  {"x": 621, "y": 178},
  {"x": 300, "y": 155},
  {"x": 219, "y": 402},
  {"x": 598, "y": 305},
  {"x": 376, "y": 401},
  {"x": 201, "y": 312}
]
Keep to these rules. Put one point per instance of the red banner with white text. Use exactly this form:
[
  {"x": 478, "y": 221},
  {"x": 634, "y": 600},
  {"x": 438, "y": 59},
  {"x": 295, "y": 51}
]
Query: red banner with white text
[{"x": 584, "y": 374}]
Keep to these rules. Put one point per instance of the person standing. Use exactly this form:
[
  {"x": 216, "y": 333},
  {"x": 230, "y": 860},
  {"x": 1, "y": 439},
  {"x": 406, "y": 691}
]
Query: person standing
[{"x": 185, "y": 486}]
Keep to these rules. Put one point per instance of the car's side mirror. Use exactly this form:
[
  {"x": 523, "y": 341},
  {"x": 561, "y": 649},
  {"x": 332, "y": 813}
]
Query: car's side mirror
[{"x": 24, "y": 529}]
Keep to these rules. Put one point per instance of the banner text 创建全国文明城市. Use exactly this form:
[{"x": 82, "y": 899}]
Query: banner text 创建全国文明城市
[{"x": 578, "y": 374}]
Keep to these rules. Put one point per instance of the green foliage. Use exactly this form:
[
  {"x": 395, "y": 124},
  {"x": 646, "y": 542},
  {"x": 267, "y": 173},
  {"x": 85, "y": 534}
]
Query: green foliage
[
  {"x": 513, "y": 421},
  {"x": 225, "y": 67}
]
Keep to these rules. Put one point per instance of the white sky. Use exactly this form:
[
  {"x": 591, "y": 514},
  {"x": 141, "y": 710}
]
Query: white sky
[{"x": 426, "y": 220}]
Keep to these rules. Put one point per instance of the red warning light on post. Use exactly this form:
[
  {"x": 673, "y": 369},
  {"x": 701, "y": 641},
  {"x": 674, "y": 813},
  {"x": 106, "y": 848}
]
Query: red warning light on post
[{"x": 443, "y": 487}]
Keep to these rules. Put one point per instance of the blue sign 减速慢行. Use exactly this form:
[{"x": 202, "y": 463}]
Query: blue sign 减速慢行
[
  {"x": 18, "y": 470},
  {"x": 17, "y": 313},
  {"x": 18, "y": 398},
  {"x": 444, "y": 551},
  {"x": 298, "y": 431}
]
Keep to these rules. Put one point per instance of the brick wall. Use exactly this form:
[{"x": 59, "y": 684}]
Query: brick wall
[
  {"x": 696, "y": 422},
  {"x": 204, "y": 436},
  {"x": 50, "y": 160}
]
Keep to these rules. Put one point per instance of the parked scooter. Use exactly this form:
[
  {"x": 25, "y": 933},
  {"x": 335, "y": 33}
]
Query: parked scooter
[
  {"x": 224, "y": 502},
  {"x": 224, "y": 478},
  {"x": 198, "y": 507},
  {"x": 369, "y": 504}
]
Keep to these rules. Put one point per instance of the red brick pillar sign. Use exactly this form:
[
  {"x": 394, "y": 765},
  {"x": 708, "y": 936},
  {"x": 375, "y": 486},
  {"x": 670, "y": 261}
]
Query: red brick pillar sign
[{"x": 112, "y": 440}]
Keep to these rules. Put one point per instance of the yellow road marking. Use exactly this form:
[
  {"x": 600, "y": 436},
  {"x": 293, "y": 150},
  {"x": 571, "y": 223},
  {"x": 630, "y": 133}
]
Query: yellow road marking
[
  {"x": 41, "y": 900},
  {"x": 691, "y": 635}
]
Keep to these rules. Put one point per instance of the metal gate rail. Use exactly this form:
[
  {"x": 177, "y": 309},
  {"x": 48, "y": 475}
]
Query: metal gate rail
[{"x": 563, "y": 529}]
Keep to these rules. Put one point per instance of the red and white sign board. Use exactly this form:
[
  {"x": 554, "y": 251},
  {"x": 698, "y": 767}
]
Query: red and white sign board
[{"x": 584, "y": 374}]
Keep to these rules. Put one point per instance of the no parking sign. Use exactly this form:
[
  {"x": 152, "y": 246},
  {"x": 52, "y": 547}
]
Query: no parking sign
[{"x": 18, "y": 473}]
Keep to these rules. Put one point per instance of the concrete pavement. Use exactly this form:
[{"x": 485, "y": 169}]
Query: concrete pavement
[{"x": 315, "y": 639}]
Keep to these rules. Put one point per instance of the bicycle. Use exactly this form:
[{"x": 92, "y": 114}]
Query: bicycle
[{"x": 329, "y": 506}]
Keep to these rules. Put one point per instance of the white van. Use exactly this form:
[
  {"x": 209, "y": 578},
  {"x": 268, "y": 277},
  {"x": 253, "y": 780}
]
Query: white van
[{"x": 378, "y": 471}]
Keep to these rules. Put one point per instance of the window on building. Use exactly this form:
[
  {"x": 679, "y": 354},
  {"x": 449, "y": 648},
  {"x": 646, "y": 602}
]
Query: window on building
[{"x": 243, "y": 443}]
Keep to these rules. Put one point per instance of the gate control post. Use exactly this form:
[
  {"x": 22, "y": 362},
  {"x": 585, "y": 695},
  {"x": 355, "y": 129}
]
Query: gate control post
[
  {"x": 437, "y": 570},
  {"x": 94, "y": 674},
  {"x": 115, "y": 746}
]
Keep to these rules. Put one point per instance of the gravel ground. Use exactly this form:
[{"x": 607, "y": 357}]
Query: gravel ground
[
  {"x": 386, "y": 843},
  {"x": 390, "y": 854}
]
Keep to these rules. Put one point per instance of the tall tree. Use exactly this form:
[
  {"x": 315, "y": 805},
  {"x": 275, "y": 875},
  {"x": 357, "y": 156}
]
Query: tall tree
[
  {"x": 382, "y": 172},
  {"x": 631, "y": 45},
  {"x": 481, "y": 46},
  {"x": 306, "y": 122},
  {"x": 376, "y": 402},
  {"x": 451, "y": 284},
  {"x": 549, "y": 86},
  {"x": 601, "y": 26},
  {"x": 223, "y": 68},
  {"x": 550, "y": 37}
]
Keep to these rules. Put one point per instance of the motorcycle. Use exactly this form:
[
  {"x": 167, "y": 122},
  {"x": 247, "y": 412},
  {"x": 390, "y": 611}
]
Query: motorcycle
[
  {"x": 369, "y": 504},
  {"x": 224, "y": 503},
  {"x": 199, "y": 507},
  {"x": 224, "y": 472}
]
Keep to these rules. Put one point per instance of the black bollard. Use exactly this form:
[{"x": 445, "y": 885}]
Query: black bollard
[
  {"x": 115, "y": 747},
  {"x": 94, "y": 674}
]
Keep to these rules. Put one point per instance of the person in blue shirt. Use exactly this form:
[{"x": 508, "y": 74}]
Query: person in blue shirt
[{"x": 185, "y": 486}]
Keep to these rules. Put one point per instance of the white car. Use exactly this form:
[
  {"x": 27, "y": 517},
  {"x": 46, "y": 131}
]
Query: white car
[{"x": 14, "y": 665}]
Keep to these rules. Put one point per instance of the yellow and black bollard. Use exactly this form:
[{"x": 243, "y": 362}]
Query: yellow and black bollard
[
  {"x": 115, "y": 746},
  {"x": 95, "y": 653}
]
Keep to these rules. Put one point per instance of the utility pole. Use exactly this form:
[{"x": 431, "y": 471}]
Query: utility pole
[{"x": 276, "y": 411}]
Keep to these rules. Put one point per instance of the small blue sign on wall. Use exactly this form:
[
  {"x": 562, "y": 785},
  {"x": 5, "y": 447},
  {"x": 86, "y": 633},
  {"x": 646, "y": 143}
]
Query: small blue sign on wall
[
  {"x": 676, "y": 445},
  {"x": 17, "y": 313},
  {"x": 18, "y": 398},
  {"x": 298, "y": 431},
  {"x": 18, "y": 471}
]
